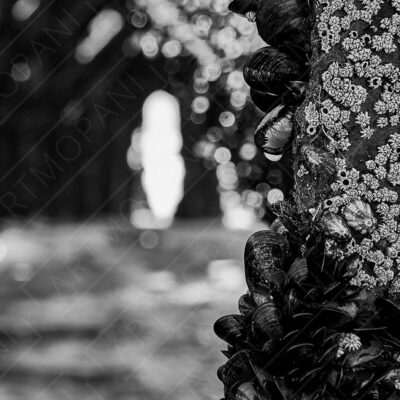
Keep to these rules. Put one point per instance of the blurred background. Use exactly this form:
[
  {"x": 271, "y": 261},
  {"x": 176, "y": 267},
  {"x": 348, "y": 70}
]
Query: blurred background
[{"x": 129, "y": 185}]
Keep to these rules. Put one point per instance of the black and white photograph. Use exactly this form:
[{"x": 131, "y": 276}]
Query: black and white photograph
[{"x": 199, "y": 200}]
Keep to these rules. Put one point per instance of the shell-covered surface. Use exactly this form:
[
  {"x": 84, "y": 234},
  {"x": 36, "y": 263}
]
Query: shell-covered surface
[{"x": 275, "y": 131}]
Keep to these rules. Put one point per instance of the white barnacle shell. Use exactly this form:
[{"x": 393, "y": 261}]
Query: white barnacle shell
[{"x": 359, "y": 216}]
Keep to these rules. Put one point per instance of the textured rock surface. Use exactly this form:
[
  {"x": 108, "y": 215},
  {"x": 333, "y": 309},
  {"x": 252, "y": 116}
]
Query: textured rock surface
[{"x": 348, "y": 122}]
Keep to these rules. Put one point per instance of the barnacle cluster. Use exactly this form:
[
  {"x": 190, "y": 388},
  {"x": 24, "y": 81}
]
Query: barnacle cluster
[{"x": 360, "y": 97}]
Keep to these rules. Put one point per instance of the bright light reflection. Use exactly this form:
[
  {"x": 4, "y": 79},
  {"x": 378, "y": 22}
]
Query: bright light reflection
[
  {"x": 23, "y": 9},
  {"x": 273, "y": 157},
  {"x": 21, "y": 72},
  {"x": 235, "y": 214},
  {"x": 163, "y": 166},
  {"x": 104, "y": 26}
]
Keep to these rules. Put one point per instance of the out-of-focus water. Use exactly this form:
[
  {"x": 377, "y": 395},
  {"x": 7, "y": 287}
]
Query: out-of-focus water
[{"x": 103, "y": 311}]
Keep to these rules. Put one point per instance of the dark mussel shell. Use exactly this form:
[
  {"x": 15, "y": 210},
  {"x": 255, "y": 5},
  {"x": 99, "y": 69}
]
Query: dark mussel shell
[
  {"x": 246, "y": 305},
  {"x": 295, "y": 93},
  {"x": 389, "y": 311},
  {"x": 262, "y": 295},
  {"x": 243, "y": 7},
  {"x": 265, "y": 101},
  {"x": 269, "y": 70},
  {"x": 235, "y": 371},
  {"x": 292, "y": 96},
  {"x": 364, "y": 355},
  {"x": 265, "y": 254},
  {"x": 293, "y": 303},
  {"x": 332, "y": 317},
  {"x": 231, "y": 328},
  {"x": 284, "y": 24},
  {"x": 275, "y": 131},
  {"x": 298, "y": 272},
  {"x": 266, "y": 322}
]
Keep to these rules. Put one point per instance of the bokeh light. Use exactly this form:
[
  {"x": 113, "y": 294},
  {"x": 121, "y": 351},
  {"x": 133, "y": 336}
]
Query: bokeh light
[
  {"x": 23, "y": 9},
  {"x": 275, "y": 196},
  {"x": 104, "y": 26}
]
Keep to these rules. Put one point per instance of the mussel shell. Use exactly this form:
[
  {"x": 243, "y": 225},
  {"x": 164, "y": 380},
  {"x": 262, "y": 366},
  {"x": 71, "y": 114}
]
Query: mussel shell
[
  {"x": 266, "y": 321},
  {"x": 261, "y": 296},
  {"x": 389, "y": 311},
  {"x": 265, "y": 253},
  {"x": 301, "y": 351},
  {"x": 275, "y": 131},
  {"x": 246, "y": 391},
  {"x": 243, "y": 7},
  {"x": 279, "y": 227},
  {"x": 269, "y": 70},
  {"x": 332, "y": 316},
  {"x": 230, "y": 328},
  {"x": 335, "y": 226},
  {"x": 293, "y": 302},
  {"x": 284, "y": 24},
  {"x": 298, "y": 271},
  {"x": 364, "y": 355},
  {"x": 246, "y": 305},
  {"x": 236, "y": 370},
  {"x": 292, "y": 96},
  {"x": 265, "y": 101}
]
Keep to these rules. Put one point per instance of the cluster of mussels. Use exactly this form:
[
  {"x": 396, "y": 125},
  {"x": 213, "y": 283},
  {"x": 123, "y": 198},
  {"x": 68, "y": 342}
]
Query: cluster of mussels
[
  {"x": 304, "y": 331},
  {"x": 277, "y": 74}
]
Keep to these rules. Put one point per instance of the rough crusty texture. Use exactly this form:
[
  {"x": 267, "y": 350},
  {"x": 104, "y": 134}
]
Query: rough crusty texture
[{"x": 313, "y": 183}]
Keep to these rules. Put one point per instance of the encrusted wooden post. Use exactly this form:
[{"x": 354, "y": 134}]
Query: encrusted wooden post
[{"x": 321, "y": 319}]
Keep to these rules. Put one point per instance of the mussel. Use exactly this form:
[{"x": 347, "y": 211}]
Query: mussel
[
  {"x": 266, "y": 321},
  {"x": 265, "y": 253},
  {"x": 269, "y": 70},
  {"x": 275, "y": 131},
  {"x": 389, "y": 311},
  {"x": 243, "y": 7},
  {"x": 292, "y": 96},
  {"x": 298, "y": 272},
  {"x": 284, "y": 24},
  {"x": 235, "y": 371},
  {"x": 246, "y": 305},
  {"x": 230, "y": 328},
  {"x": 265, "y": 101},
  {"x": 364, "y": 355},
  {"x": 261, "y": 295}
]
